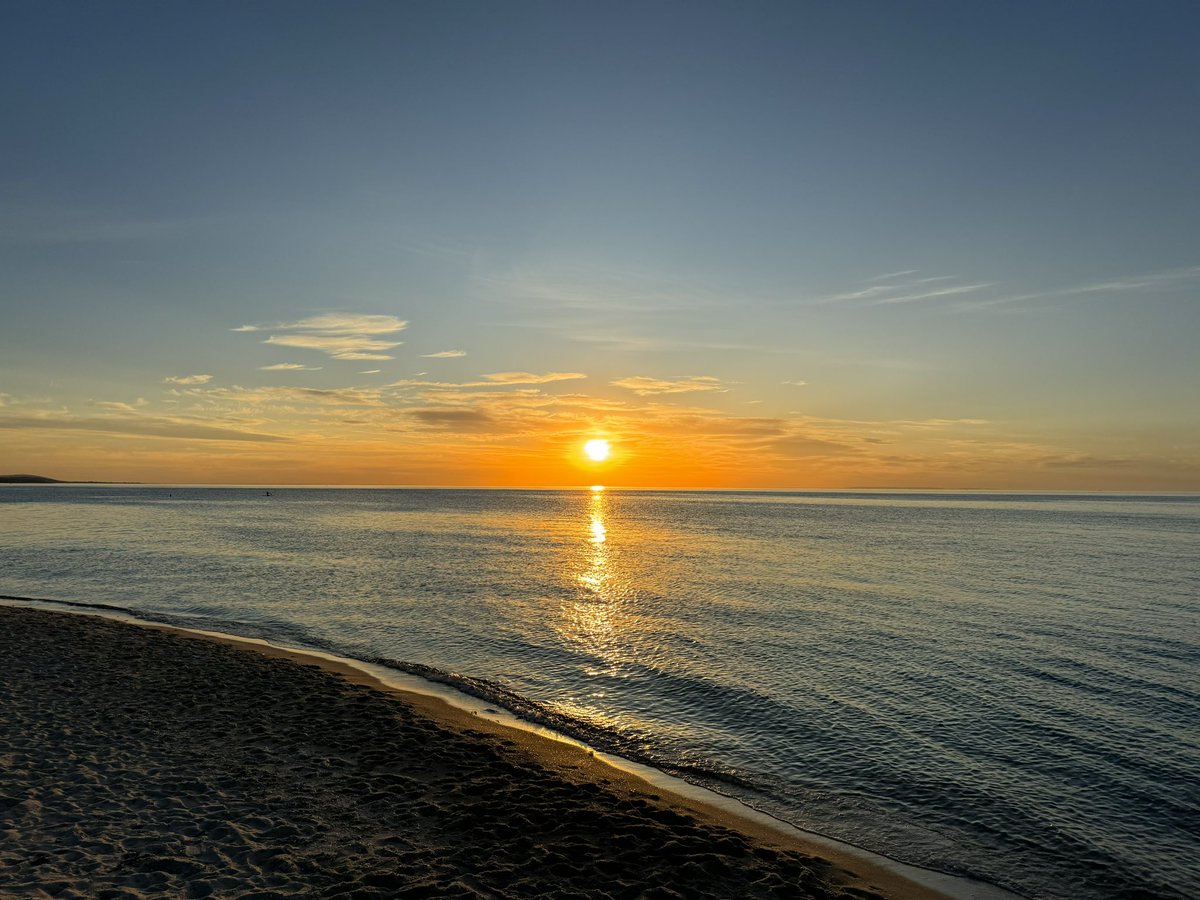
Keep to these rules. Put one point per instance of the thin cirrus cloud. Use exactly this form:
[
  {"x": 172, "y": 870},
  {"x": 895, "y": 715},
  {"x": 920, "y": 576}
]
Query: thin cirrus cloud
[
  {"x": 444, "y": 354},
  {"x": 1149, "y": 281},
  {"x": 141, "y": 426},
  {"x": 340, "y": 335},
  {"x": 901, "y": 287},
  {"x": 289, "y": 367},
  {"x": 187, "y": 379},
  {"x": 644, "y": 386}
]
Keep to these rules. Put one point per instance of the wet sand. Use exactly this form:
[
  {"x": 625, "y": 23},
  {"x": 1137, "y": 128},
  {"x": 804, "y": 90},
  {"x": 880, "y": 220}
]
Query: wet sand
[{"x": 138, "y": 761}]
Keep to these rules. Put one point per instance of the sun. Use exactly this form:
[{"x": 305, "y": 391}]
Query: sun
[{"x": 597, "y": 450}]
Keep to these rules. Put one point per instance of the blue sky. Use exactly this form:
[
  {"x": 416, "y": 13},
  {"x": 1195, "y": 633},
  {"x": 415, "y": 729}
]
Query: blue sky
[{"x": 969, "y": 230}]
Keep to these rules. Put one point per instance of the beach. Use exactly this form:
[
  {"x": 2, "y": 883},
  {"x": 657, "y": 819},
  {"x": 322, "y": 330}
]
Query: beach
[{"x": 146, "y": 761}]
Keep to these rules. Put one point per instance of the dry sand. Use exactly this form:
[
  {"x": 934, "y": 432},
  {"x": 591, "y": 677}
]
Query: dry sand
[{"x": 140, "y": 761}]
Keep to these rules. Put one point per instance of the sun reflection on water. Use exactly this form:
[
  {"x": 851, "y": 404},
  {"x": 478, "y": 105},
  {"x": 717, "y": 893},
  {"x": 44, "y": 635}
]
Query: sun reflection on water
[{"x": 595, "y": 619}]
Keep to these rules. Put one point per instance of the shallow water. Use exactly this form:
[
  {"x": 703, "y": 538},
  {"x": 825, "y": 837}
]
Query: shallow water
[{"x": 996, "y": 685}]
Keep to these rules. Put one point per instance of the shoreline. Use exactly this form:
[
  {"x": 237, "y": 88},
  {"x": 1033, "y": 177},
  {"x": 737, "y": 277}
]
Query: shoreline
[{"x": 846, "y": 866}]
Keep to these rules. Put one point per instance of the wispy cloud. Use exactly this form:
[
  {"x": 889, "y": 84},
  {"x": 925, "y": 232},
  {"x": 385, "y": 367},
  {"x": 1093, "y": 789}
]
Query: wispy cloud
[
  {"x": 144, "y": 426},
  {"x": 370, "y": 372},
  {"x": 276, "y": 395},
  {"x": 187, "y": 379},
  {"x": 496, "y": 379},
  {"x": 337, "y": 346},
  {"x": 340, "y": 335},
  {"x": 445, "y": 354},
  {"x": 455, "y": 418},
  {"x": 530, "y": 377},
  {"x": 958, "y": 295},
  {"x": 795, "y": 383},
  {"x": 120, "y": 406},
  {"x": 1148, "y": 281},
  {"x": 901, "y": 287},
  {"x": 645, "y": 386},
  {"x": 593, "y": 289},
  {"x": 290, "y": 367},
  {"x": 336, "y": 323}
]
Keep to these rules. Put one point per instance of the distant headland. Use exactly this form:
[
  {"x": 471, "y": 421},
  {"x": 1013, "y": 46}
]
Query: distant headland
[{"x": 43, "y": 479}]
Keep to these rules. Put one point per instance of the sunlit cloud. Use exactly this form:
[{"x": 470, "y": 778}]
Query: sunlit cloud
[
  {"x": 290, "y": 367},
  {"x": 370, "y": 372},
  {"x": 337, "y": 323},
  {"x": 119, "y": 406},
  {"x": 795, "y": 383},
  {"x": 337, "y": 346},
  {"x": 187, "y": 379},
  {"x": 496, "y": 379},
  {"x": 445, "y": 354},
  {"x": 644, "y": 386},
  {"x": 346, "y": 336},
  {"x": 530, "y": 377}
]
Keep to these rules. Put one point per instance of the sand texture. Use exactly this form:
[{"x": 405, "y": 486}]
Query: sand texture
[{"x": 139, "y": 762}]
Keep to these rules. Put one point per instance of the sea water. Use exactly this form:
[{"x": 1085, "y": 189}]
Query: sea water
[{"x": 998, "y": 685}]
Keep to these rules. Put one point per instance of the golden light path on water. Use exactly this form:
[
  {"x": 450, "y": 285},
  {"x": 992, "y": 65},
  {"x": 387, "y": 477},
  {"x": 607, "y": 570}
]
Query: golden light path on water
[{"x": 598, "y": 621}]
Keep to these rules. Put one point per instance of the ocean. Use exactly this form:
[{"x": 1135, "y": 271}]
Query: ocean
[{"x": 996, "y": 685}]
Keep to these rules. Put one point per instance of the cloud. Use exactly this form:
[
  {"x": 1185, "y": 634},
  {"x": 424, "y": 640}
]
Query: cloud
[
  {"x": 454, "y": 419},
  {"x": 337, "y": 323},
  {"x": 289, "y": 367},
  {"x": 495, "y": 379},
  {"x": 118, "y": 406},
  {"x": 902, "y": 289},
  {"x": 951, "y": 291},
  {"x": 144, "y": 426},
  {"x": 289, "y": 395},
  {"x": 645, "y": 386},
  {"x": 340, "y": 335},
  {"x": 530, "y": 377},
  {"x": 337, "y": 346},
  {"x": 590, "y": 288},
  {"x": 1146, "y": 281},
  {"x": 802, "y": 445},
  {"x": 795, "y": 383},
  {"x": 370, "y": 372},
  {"x": 187, "y": 379},
  {"x": 445, "y": 354}
]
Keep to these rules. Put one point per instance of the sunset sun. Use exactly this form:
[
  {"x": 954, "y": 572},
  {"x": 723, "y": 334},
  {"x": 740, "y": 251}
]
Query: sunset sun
[{"x": 597, "y": 450}]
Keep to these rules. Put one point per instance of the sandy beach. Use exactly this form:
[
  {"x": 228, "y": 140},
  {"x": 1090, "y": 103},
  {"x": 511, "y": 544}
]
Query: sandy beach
[{"x": 140, "y": 761}]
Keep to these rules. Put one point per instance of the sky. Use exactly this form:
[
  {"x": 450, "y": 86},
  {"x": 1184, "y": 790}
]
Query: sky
[{"x": 840, "y": 244}]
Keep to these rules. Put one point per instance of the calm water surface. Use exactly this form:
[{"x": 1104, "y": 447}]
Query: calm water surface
[{"x": 996, "y": 685}]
